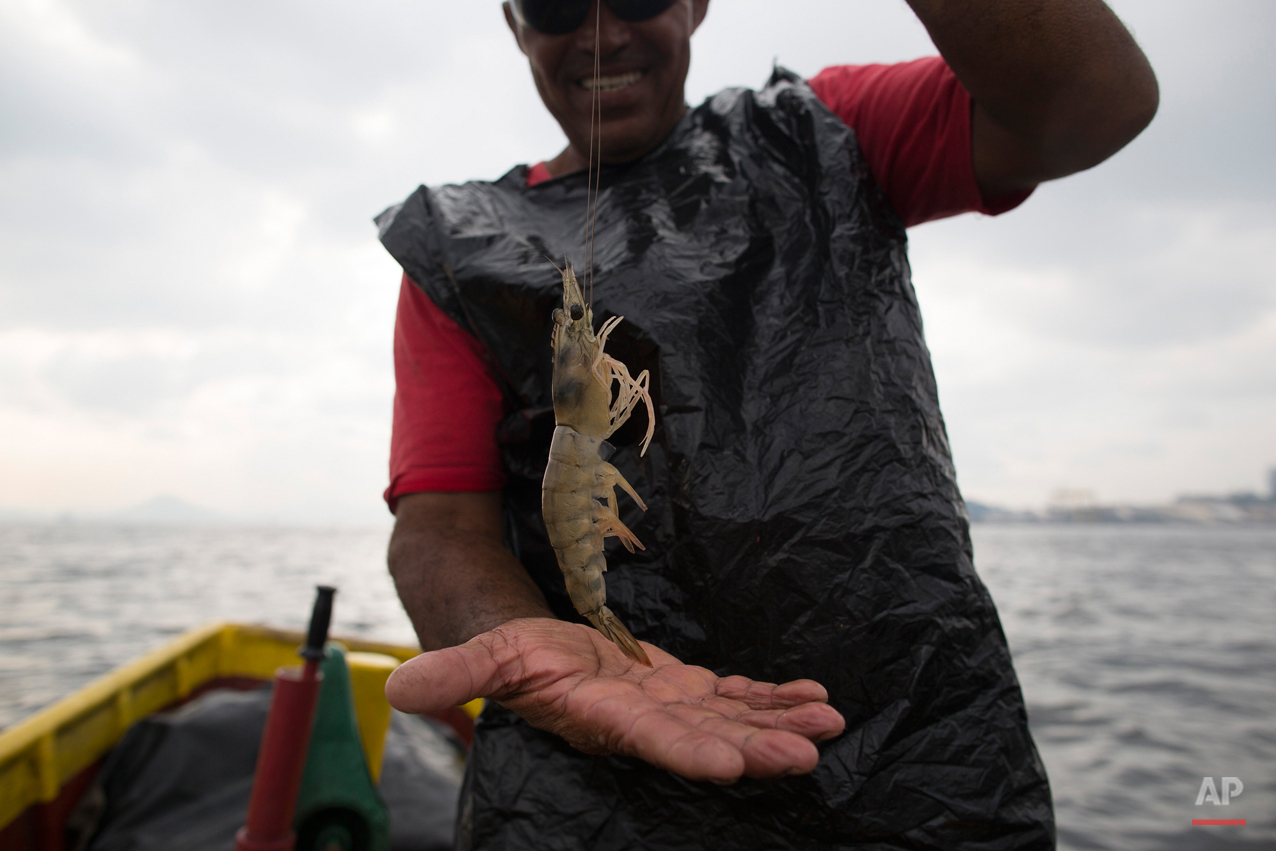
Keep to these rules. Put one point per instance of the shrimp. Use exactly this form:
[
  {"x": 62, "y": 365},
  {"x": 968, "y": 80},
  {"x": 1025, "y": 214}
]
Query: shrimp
[{"x": 578, "y": 495}]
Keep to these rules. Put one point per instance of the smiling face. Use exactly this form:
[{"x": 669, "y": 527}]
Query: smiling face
[{"x": 642, "y": 68}]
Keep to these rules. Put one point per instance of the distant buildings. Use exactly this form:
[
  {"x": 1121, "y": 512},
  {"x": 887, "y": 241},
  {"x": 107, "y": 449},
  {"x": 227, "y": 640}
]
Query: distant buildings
[
  {"x": 1081, "y": 506},
  {"x": 980, "y": 513}
]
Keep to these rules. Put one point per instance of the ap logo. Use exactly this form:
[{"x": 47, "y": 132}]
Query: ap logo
[{"x": 1232, "y": 788}]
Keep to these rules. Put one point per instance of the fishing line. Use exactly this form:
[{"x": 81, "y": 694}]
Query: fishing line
[{"x": 595, "y": 121}]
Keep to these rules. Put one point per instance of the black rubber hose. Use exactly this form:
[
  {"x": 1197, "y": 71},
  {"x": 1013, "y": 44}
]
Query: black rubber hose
[{"x": 320, "y": 619}]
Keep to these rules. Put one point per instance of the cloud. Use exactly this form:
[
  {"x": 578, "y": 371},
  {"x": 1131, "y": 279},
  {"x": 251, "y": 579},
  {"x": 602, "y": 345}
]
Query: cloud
[
  {"x": 260, "y": 426},
  {"x": 192, "y": 299},
  {"x": 1122, "y": 274},
  {"x": 1142, "y": 374}
]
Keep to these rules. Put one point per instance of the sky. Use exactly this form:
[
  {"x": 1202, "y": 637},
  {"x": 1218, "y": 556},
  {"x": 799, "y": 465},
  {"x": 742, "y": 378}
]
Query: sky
[{"x": 193, "y": 301}]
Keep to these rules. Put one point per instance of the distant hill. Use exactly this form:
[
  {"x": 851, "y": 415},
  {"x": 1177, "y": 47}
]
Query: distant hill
[
  {"x": 166, "y": 510},
  {"x": 18, "y": 515},
  {"x": 981, "y": 513},
  {"x": 169, "y": 510}
]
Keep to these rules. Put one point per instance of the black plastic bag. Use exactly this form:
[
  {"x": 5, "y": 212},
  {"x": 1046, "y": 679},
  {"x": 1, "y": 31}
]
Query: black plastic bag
[
  {"x": 805, "y": 519},
  {"x": 182, "y": 779}
]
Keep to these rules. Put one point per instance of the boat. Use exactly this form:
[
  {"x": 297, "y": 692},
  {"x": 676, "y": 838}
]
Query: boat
[{"x": 50, "y": 759}]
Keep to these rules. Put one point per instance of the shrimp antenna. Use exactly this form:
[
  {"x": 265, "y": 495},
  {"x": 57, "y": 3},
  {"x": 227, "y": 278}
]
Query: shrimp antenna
[
  {"x": 595, "y": 129},
  {"x": 551, "y": 262}
]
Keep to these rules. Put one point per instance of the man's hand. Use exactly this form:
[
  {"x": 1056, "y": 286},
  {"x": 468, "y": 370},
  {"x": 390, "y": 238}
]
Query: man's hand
[
  {"x": 568, "y": 679},
  {"x": 456, "y": 579}
]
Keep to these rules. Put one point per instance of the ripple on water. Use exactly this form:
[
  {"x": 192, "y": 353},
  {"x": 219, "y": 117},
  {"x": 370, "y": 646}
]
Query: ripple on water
[
  {"x": 79, "y": 600},
  {"x": 1147, "y": 655}
]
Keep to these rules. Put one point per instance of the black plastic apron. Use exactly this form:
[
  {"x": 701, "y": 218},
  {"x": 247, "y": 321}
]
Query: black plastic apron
[{"x": 804, "y": 516}]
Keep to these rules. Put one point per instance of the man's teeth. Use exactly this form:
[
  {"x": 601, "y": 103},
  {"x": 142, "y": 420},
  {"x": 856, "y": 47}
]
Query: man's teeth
[{"x": 608, "y": 84}]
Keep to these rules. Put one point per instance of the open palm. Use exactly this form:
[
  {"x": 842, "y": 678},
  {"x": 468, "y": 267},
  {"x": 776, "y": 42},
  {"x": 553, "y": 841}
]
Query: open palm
[{"x": 568, "y": 679}]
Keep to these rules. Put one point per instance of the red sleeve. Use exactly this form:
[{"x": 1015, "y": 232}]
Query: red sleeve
[
  {"x": 913, "y": 124},
  {"x": 447, "y": 405},
  {"x": 538, "y": 174}
]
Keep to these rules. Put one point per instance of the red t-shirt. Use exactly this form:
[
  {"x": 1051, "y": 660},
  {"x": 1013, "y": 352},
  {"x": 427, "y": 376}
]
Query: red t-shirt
[{"x": 913, "y": 124}]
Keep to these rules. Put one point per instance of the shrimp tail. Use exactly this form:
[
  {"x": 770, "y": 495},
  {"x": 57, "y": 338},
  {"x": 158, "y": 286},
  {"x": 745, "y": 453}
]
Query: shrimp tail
[{"x": 609, "y": 625}]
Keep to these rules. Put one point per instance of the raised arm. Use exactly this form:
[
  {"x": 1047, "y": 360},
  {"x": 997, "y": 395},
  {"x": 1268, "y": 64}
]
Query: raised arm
[{"x": 1058, "y": 85}]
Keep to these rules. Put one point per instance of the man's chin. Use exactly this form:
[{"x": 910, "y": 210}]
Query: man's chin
[
  {"x": 628, "y": 133},
  {"x": 630, "y": 139}
]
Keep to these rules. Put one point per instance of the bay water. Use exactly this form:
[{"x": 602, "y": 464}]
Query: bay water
[{"x": 1147, "y": 654}]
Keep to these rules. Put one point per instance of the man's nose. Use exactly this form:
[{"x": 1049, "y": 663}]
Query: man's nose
[{"x": 603, "y": 28}]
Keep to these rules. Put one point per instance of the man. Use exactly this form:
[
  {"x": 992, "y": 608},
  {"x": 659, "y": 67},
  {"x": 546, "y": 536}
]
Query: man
[{"x": 805, "y": 524}]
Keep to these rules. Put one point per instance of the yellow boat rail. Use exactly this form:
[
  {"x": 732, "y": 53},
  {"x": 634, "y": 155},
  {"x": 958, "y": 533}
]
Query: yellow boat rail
[{"x": 41, "y": 753}]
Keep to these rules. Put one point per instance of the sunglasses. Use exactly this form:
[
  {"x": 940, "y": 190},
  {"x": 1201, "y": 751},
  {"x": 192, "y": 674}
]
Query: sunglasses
[{"x": 559, "y": 17}]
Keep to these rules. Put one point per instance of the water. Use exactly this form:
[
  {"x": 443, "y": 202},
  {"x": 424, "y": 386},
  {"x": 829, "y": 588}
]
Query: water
[
  {"x": 77, "y": 599},
  {"x": 1147, "y": 654}
]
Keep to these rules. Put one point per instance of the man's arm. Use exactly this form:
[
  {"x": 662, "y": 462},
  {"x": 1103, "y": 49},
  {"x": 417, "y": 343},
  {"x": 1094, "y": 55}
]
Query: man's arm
[
  {"x": 1058, "y": 85},
  {"x": 491, "y": 634},
  {"x": 453, "y": 573}
]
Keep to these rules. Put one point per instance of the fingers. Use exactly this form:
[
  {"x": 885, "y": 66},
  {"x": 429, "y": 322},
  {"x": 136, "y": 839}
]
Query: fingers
[
  {"x": 669, "y": 742},
  {"x": 799, "y": 691},
  {"x": 434, "y": 681},
  {"x": 759, "y": 695},
  {"x": 798, "y": 706},
  {"x": 764, "y": 753},
  {"x": 702, "y": 742},
  {"x": 814, "y": 721}
]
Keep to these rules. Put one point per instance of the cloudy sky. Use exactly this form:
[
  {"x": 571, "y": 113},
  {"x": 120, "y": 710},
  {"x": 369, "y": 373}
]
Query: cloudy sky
[{"x": 193, "y": 301}]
